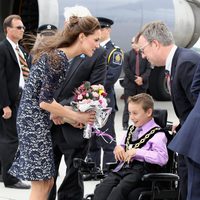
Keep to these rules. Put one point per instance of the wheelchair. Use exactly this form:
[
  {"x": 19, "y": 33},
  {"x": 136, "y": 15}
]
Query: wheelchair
[{"x": 159, "y": 186}]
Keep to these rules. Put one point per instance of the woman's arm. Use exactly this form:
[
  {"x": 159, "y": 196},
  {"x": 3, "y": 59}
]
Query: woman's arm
[{"x": 61, "y": 111}]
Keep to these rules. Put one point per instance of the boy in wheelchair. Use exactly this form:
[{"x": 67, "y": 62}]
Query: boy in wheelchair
[{"x": 143, "y": 150}]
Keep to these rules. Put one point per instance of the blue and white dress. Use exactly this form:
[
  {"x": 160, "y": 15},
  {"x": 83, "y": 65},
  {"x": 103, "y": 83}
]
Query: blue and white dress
[{"x": 34, "y": 158}]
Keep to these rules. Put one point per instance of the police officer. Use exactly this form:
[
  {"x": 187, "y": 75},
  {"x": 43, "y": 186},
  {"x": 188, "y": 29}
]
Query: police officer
[
  {"x": 114, "y": 66},
  {"x": 46, "y": 30}
]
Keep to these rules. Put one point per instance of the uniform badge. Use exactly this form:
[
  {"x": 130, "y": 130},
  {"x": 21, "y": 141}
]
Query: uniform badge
[{"x": 117, "y": 58}]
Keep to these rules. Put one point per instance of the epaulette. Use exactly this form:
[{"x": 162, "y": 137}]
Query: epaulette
[{"x": 117, "y": 47}]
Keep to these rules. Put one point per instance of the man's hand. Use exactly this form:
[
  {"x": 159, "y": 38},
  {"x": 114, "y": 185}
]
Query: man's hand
[
  {"x": 119, "y": 153},
  {"x": 7, "y": 112},
  {"x": 139, "y": 80}
]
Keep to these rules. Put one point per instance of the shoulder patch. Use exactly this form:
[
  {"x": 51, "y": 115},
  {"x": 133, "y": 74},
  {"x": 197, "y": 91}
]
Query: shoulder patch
[{"x": 117, "y": 58}]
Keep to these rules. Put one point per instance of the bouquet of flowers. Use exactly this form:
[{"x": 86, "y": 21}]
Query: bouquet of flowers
[{"x": 92, "y": 97}]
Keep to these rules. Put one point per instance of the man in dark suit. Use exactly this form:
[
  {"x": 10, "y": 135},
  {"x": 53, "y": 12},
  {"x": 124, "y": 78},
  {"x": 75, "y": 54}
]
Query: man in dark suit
[
  {"x": 136, "y": 77},
  {"x": 12, "y": 83},
  {"x": 114, "y": 63},
  {"x": 69, "y": 141},
  {"x": 157, "y": 45}
]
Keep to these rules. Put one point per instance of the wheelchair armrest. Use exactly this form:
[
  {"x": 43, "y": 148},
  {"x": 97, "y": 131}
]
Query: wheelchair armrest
[
  {"x": 160, "y": 177},
  {"x": 111, "y": 165}
]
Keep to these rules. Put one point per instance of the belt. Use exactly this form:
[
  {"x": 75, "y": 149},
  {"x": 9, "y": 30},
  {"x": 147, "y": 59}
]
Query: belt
[{"x": 134, "y": 162}]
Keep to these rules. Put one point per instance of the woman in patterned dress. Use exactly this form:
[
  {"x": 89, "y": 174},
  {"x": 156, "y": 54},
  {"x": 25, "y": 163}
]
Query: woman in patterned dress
[{"x": 34, "y": 159}]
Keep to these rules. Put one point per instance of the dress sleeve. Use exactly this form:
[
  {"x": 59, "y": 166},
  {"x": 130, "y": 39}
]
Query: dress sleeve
[{"x": 53, "y": 76}]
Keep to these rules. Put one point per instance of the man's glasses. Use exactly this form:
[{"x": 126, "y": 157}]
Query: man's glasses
[
  {"x": 141, "y": 49},
  {"x": 20, "y": 27}
]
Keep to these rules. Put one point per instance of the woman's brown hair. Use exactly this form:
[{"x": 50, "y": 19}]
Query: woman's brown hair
[{"x": 76, "y": 25}]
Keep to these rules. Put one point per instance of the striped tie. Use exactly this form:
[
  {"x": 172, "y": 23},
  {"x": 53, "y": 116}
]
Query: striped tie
[{"x": 23, "y": 63}]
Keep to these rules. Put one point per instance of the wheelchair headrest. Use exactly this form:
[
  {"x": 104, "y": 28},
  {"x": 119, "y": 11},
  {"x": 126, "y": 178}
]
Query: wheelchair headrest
[{"x": 160, "y": 117}]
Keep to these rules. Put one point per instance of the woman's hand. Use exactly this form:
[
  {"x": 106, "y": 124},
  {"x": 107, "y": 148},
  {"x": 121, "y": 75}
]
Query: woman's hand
[
  {"x": 56, "y": 119},
  {"x": 119, "y": 153}
]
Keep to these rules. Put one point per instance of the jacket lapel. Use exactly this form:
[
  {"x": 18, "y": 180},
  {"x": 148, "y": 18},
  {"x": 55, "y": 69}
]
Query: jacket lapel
[
  {"x": 11, "y": 50},
  {"x": 174, "y": 63},
  {"x": 74, "y": 67}
]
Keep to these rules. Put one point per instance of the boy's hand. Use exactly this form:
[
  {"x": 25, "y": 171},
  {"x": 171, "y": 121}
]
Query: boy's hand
[
  {"x": 119, "y": 153},
  {"x": 130, "y": 154}
]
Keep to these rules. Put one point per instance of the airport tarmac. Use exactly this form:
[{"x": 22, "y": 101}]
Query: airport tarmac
[{"x": 17, "y": 194}]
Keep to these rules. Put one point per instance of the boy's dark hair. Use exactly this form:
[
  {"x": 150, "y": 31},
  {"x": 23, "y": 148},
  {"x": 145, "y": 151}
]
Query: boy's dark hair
[{"x": 145, "y": 99}]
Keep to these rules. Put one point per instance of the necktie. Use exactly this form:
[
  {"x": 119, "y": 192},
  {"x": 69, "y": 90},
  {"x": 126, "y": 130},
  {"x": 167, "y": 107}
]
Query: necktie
[
  {"x": 136, "y": 134},
  {"x": 134, "y": 138},
  {"x": 23, "y": 64},
  {"x": 137, "y": 64},
  {"x": 168, "y": 81}
]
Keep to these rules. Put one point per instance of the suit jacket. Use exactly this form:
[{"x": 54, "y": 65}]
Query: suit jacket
[
  {"x": 9, "y": 74},
  {"x": 83, "y": 68},
  {"x": 9, "y": 92},
  {"x": 129, "y": 70},
  {"x": 184, "y": 64},
  {"x": 186, "y": 141}
]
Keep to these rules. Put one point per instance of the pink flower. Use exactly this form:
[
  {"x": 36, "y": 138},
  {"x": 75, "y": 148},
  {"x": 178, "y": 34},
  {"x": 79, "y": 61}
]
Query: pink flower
[
  {"x": 80, "y": 97},
  {"x": 88, "y": 91},
  {"x": 95, "y": 94}
]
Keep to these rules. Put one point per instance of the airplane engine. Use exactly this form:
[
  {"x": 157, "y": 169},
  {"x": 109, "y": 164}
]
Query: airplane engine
[{"x": 187, "y": 26}]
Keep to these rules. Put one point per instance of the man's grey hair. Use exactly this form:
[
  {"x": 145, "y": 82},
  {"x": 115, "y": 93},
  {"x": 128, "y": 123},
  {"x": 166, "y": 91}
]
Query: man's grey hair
[
  {"x": 157, "y": 30},
  {"x": 79, "y": 11}
]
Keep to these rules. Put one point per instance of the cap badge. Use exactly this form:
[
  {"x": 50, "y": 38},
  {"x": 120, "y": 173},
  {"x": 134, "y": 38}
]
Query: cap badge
[{"x": 49, "y": 26}]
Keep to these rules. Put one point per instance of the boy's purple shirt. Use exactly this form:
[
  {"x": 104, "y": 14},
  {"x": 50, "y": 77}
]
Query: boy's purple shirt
[{"x": 155, "y": 150}]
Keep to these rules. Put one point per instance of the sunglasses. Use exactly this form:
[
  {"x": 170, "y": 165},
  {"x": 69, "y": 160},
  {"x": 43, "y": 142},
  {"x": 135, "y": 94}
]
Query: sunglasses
[{"x": 20, "y": 27}]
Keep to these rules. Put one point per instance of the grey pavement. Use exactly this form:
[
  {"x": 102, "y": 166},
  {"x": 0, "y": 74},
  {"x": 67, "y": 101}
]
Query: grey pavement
[{"x": 17, "y": 194}]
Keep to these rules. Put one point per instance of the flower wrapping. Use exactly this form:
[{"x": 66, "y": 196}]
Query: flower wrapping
[{"x": 92, "y": 97}]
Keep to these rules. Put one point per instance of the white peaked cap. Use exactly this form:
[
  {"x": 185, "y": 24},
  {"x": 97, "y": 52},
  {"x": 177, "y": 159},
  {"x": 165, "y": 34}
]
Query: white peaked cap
[{"x": 79, "y": 11}]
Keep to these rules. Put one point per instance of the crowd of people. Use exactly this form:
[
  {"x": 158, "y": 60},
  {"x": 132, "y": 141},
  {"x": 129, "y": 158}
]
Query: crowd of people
[{"x": 38, "y": 125}]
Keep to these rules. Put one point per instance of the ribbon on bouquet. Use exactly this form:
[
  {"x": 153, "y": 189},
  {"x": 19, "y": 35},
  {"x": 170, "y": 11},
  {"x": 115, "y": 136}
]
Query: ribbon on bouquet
[{"x": 103, "y": 134}]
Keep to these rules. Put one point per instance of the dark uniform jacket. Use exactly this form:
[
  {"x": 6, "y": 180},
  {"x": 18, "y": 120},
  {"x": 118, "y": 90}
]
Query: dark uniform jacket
[{"x": 114, "y": 66}]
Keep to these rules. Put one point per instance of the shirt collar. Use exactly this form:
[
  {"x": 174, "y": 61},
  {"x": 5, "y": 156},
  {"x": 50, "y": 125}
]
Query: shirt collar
[
  {"x": 104, "y": 42},
  {"x": 14, "y": 45},
  {"x": 146, "y": 127},
  {"x": 168, "y": 64}
]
